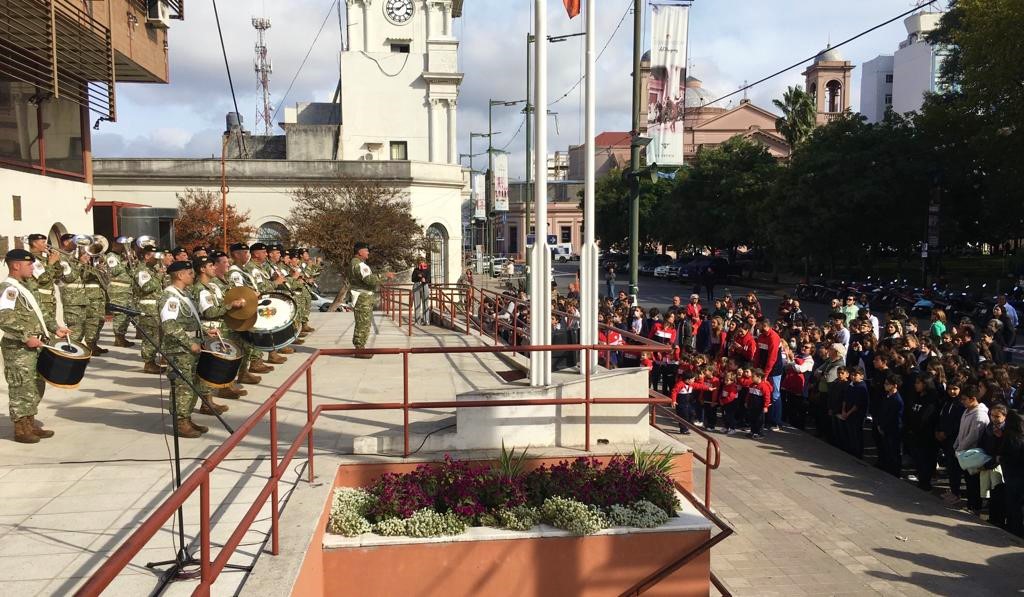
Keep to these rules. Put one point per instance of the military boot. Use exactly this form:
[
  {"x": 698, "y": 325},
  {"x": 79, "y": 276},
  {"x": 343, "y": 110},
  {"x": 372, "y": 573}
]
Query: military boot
[
  {"x": 244, "y": 376},
  {"x": 23, "y": 433},
  {"x": 299, "y": 341},
  {"x": 153, "y": 368},
  {"x": 185, "y": 429},
  {"x": 216, "y": 410},
  {"x": 197, "y": 426},
  {"x": 286, "y": 350},
  {"x": 307, "y": 328},
  {"x": 276, "y": 359},
  {"x": 260, "y": 367},
  {"x": 37, "y": 428},
  {"x": 228, "y": 392},
  {"x": 97, "y": 349},
  {"x": 121, "y": 342}
]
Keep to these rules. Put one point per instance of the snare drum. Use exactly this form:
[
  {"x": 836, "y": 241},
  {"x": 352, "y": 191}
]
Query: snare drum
[
  {"x": 219, "y": 362},
  {"x": 62, "y": 363},
  {"x": 275, "y": 322}
]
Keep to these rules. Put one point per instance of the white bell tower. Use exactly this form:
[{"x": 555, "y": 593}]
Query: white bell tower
[{"x": 400, "y": 81}]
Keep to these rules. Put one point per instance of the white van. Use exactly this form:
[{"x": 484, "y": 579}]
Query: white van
[{"x": 562, "y": 253}]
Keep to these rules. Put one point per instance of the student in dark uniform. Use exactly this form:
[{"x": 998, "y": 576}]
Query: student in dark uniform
[{"x": 890, "y": 427}]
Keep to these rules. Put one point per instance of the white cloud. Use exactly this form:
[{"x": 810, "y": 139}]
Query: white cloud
[{"x": 731, "y": 41}]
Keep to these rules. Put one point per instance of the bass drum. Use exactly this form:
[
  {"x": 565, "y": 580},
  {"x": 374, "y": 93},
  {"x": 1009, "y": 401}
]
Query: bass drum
[
  {"x": 219, "y": 362},
  {"x": 275, "y": 322},
  {"x": 62, "y": 363}
]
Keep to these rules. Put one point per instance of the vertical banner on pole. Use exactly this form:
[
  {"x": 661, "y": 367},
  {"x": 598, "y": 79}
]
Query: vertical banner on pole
[
  {"x": 479, "y": 197},
  {"x": 667, "y": 84},
  {"x": 500, "y": 181}
]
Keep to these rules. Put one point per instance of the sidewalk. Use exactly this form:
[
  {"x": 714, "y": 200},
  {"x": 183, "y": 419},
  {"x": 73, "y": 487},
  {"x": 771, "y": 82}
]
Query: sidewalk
[
  {"x": 68, "y": 502},
  {"x": 811, "y": 520}
]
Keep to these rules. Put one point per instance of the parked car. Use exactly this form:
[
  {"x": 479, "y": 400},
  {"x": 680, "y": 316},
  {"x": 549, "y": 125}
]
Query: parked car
[
  {"x": 320, "y": 302},
  {"x": 695, "y": 269},
  {"x": 653, "y": 262}
]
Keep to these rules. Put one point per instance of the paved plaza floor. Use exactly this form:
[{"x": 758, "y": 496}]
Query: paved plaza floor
[{"x": 809, "y": 519}]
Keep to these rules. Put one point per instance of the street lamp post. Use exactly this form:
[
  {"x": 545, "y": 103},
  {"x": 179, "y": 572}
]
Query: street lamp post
[
  {"x": 634, "y": 155},
  {"x": 490, "y": 146},
  {"x": 487, "y": 220}
]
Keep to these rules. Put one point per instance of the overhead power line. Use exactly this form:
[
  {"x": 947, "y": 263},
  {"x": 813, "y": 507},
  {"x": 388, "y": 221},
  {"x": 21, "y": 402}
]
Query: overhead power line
[
  {"x": 599, "y": 54},
  {"x": 231, "y": 85},
  {"x": 304, "y": 59},
  {"x": 840, "y": 44}
]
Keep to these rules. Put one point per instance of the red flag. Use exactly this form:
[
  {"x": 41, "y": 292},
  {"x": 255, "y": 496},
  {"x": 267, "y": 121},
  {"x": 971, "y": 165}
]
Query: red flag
[{"x": 572, "y": 7}]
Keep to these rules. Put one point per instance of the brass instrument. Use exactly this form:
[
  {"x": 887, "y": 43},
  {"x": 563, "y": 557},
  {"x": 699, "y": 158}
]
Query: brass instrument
[{"x": 126, "y": 250}]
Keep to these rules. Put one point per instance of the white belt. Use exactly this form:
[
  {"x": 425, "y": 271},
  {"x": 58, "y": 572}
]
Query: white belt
[
  {"x": 81, "y": 286},
  {"x": 212, "y": 323},
  {"x": 147, "y": 302},
  {"x": 44, "y": 291},
  {"x": 92, "y": 285},
  {"x": 120, "y": 284}
]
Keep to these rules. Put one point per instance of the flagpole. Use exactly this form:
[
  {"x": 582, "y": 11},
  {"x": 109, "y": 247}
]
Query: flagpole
[
  {"x": 588, "y": 259},
  {"x": 540, "y": 286}
]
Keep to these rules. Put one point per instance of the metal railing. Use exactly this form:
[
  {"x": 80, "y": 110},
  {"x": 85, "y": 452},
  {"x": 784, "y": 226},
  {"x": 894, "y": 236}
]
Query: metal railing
[{"x": 200, "y": 479}]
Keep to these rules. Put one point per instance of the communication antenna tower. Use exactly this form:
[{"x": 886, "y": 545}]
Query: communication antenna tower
[{"x": 263, "y": 68}]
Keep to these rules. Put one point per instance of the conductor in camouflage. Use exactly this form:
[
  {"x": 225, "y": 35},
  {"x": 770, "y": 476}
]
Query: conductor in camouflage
[{"x": 363, "y": 285}]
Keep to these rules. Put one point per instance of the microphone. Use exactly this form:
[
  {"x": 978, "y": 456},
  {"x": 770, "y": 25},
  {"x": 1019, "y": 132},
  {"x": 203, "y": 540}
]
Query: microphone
[{"x": 115, "y": 308}]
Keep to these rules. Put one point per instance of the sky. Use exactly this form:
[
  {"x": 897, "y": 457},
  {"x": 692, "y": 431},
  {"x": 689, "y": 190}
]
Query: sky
[{"x": 731, "y": 41}]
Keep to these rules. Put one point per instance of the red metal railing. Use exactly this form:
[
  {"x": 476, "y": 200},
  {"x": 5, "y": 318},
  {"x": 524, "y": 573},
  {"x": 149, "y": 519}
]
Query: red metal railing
[
  {"x": 396, "y": 300},
  {"x": 200, "y": 478}
]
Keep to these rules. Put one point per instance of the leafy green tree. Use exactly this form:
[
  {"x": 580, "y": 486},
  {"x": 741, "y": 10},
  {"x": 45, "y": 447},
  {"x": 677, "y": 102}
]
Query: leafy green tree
[
  {"x": 716, "y": 205},
  {"x": 798, "y": 115},
  {"x": 612, "y": 205}
]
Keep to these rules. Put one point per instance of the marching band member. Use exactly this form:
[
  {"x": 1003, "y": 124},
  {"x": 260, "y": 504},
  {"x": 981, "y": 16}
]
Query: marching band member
[
  {"x": 260, "y": 274},
  {"x": 147, "y": 291},
  {"x": 179, "y": 254},
  {"x": 180, "y": 328},
  {"x": 363, "y": 285},
  {"x": 208, "y": 294},
  {"x": 280, "y": 274},
  {"x": 24, "y": 323},
  {"x": 45, "y": 271},
  {"x": 120, "y": 291},
  {"x": 95, "y": 315},
  {"x": 239, "y": 275}
]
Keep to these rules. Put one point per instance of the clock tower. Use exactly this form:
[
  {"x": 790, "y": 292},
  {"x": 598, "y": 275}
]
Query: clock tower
[{"x": 400, "y": 81}]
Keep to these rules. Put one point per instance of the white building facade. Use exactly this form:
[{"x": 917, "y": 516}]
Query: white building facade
[
  {"x": 395, "y": 124},
  {"x": 913, "y": 71}
]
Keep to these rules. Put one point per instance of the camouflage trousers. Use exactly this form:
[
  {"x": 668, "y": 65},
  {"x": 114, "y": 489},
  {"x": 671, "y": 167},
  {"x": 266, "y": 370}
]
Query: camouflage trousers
[
  {"x": 25, "y": 387},
  {"x": 363, "y": 311},
  {"x": 184, "y": 398},
  {"x": 150, "y": 324},
  {"x": 95, "y": 317},
  {"x": 124, "y": 299},
  {"x": 75, "y": 318}
]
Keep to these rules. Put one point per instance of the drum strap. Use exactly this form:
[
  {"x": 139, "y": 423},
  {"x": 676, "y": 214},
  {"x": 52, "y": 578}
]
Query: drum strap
[
  {"x": 32, "y": 303},
  {"x": 188, "y": 303}
]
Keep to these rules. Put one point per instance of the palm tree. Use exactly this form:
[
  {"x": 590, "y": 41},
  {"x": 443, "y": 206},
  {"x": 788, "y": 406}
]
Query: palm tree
[{"x": 799, "y": 115}]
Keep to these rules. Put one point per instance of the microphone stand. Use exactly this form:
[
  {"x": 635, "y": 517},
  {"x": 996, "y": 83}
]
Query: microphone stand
[{"x": 183, "y": 560}]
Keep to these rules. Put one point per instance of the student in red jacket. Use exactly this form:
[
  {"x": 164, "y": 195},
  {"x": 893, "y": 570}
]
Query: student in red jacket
[
  {"x": 743, "y": 347},
  {"x": 728, "y": 398},
  {"x": 665, "y": 363},
  {"x": 682, "y": 399},
  {"x": 706, "y": 392},
  {"x": 769, "y": 353},
  {"x": 759, "y": 398}
]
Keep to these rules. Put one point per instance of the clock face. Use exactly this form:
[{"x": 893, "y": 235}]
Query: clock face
[{"x": 398, "y": 12}]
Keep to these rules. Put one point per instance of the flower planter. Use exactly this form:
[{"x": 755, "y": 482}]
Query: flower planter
[{"x": 497, "y": 562}]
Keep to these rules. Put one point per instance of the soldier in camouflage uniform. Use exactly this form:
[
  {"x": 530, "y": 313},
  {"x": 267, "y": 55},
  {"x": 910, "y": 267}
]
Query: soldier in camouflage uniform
[
  {"x": 23, "y": 323},
  {"x": 95, "y": 315},
  {"x": 280, "y": 274},
  {"x": 74, "y": 298},
  {"x": 147, "y": 288},
  {"x": 179, "y": 341},
  {"x": 208, "y": 294},
  {"x": 363, "y": 283},
  {"x": 311, "y": 271},
  {"x": 259, "y": 271},
  {"x": 45, "y": 272},
  {"x": 120, "y": 291},
  {"x": 300, "y": 290},
  {"x": 238, "y": 276}
]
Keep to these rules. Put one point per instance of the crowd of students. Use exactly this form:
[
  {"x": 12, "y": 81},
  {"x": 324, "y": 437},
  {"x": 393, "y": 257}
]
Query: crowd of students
[{"x": 923, "y": 395}]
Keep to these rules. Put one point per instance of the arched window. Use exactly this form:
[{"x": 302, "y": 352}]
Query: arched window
[
  {"x": 834, "y": 96},
  {"x": 437, "y": 239},
  {"x": 273, "y": 232}
]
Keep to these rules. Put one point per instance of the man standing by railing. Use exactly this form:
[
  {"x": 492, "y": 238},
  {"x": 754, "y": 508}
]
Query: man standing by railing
[
  {"x": 363, "y": 285},
  {"x": 421, "y": 293}
]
